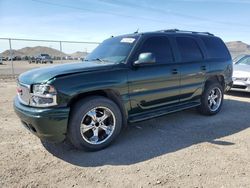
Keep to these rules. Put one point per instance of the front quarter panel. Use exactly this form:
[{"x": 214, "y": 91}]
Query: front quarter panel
[{"x": 70, "y": 86}]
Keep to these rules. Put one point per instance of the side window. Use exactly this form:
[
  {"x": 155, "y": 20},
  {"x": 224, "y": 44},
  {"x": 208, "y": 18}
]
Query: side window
[
  {"x": 215, "y": 47},
  {"x": 189, "y": 49},
  {"x": 160, "y": 47}
]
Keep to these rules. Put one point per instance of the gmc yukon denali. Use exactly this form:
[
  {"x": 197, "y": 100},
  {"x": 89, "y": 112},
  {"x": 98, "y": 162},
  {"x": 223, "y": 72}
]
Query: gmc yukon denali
[{"x": 126, "y": 79}]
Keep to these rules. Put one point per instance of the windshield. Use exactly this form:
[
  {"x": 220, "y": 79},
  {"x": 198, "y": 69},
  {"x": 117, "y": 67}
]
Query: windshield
[
  {"x": 244, "y": 61},
  {"x": 113, "y": 50},
  {"x": 237, "y": 58}
]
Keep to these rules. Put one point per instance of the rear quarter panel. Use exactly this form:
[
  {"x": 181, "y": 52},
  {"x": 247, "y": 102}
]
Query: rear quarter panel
[{"x": 221, "y": 67}]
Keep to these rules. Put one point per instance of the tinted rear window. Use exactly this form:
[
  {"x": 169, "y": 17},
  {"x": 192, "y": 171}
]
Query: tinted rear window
[
  {"x": 189, "y": 49},
  {"x": 215, "y": 47}
]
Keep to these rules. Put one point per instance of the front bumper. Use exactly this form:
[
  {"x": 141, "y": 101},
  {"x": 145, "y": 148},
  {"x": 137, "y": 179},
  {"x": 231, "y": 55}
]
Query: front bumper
[
  {"x": 48, "y": 124},
  {"x": 228, "y": 86},
  {"x": 240, "y": 86}
]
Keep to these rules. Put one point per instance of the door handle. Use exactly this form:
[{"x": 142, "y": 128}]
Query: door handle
[
  {"x": 204, "y": 67},
  {"x": 175, "y": 71}
]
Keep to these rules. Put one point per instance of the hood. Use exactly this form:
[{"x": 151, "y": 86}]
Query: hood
[
  {"x": 241, "y": 71},
  {"x": 42, "y": 75}
]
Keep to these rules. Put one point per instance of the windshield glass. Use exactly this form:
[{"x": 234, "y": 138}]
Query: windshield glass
[
  {"x": 237, "y": 58},
  {"x": 244, "y": 61},
  {"x": 113, "y": 50}
]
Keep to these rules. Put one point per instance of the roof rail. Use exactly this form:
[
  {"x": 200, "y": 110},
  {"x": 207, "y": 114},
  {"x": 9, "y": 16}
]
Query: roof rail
[{"x": 183, "y": 31}]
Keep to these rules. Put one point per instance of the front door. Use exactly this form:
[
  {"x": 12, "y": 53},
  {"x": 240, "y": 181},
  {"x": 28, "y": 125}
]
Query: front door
[{"x": 155, "y": 85}]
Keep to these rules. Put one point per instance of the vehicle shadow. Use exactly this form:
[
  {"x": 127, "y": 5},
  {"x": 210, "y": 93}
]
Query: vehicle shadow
[{"x": 160, "y": 136}]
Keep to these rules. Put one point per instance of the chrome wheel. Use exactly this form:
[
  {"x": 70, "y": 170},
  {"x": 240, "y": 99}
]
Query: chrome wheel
[
  {"x": 98, "y": 125},
  {"x": 214, "y": 99}
]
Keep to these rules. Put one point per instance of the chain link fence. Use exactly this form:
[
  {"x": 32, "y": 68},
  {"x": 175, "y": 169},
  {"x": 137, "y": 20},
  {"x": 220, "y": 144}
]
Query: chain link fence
[{"x": 20, "y": 55}]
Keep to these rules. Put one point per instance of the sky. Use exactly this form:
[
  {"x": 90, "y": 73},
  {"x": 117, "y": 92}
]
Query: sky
[{"x": 96, "y": 20}]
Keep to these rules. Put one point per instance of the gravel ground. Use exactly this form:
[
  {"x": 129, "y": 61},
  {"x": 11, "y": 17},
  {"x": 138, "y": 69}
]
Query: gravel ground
[{"x": 184, "y": 149}]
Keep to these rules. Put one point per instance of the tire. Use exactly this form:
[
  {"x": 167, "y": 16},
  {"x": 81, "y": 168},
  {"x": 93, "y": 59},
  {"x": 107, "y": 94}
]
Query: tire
[
  {"x": 206, "y": 108},
  {"x": 86, "y": 132}
]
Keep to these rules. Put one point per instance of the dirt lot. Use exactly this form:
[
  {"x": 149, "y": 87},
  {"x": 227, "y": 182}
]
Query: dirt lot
[{"x": 184, "y": 149}]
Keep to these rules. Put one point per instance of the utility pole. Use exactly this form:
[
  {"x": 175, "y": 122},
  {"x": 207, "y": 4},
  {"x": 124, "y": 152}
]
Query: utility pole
[
  {"x": 61, "y": 49},
  {"x": 11, "y": 57}
]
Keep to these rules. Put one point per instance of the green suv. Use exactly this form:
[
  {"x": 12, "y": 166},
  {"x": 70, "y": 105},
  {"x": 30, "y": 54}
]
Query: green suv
[{"x": 126, "y": 79}]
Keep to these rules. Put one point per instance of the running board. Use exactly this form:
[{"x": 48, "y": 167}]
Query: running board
[{"x": 160, "y": 112}]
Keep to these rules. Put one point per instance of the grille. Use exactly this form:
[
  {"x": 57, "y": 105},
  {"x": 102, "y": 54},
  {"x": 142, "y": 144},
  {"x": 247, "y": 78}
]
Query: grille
[
  {"x": 239, "y": 87},
  {"x": 240, "y": 79},
  {"x": 24, "y": 94}
]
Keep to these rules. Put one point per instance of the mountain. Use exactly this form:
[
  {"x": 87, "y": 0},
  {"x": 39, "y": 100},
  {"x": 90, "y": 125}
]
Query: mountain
[
  {"x": 238, "y": 48},
  {"x": 6, "y": 53},
  {"x": 34, "y": 51},
  {"x": 78, "y": 54}
]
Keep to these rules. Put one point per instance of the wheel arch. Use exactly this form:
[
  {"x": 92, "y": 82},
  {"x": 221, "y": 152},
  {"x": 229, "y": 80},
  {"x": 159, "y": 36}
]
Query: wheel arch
[
  {"x": 108, "y": 93},
  {"x": 215, "y": 78}
]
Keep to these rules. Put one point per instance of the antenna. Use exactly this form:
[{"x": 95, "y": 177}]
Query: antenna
[{"x": 136, "y": 31}]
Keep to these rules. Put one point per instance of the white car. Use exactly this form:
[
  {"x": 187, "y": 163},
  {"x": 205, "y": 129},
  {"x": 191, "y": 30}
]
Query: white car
[{"x": 241, "y": 74}]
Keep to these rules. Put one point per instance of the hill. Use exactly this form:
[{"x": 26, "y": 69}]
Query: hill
[
  {"x": 78, "y": 54},
  {"x": 6, "y": 53},
  {"x": 34, "y": 51},
  {"x": 238, "y": 47}
]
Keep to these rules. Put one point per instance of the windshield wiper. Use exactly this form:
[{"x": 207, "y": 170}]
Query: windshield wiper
[{"x": 99, "y": 59}]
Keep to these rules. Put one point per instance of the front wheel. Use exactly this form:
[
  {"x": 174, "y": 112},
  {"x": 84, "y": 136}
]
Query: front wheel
[
  {"x": 94, "y": 123},
  {"x": 211, "y": 99}
]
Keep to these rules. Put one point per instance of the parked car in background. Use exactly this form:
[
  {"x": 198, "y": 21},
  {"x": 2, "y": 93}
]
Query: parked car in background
[
  {"x": 32, "y": 59},
  {"x": 241, "y": 74},
  {"x": 68, "y": 58},
  {"x": 15, "y": 58},
  {"x": 127, "y": 78},
  {"x": 2, "y": 59},
  {"x": 42, "y": 58}
]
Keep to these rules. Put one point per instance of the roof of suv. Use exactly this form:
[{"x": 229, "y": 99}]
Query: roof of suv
[{"x": 170, "y": 31}]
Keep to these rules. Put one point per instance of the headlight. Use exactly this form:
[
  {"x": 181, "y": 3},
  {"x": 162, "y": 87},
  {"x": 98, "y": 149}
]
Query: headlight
[{"x": 43, "y": 95}]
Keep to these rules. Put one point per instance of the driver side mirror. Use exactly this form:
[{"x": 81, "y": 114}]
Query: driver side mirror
[{"x": 145, "y": 59}]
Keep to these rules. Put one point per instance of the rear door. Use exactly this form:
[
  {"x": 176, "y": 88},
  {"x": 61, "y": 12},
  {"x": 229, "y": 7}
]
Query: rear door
[
  {"x": 192, "y": 67},
  {"x": 156, "y": 85}
]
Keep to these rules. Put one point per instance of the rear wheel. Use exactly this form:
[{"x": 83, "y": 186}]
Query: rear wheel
[
  {"x": 212, "y": 99},
  {"x": 94, "y": 123}
]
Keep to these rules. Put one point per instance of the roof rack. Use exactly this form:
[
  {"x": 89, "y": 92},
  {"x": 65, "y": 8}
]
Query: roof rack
[{"x": 183, "y": 31}]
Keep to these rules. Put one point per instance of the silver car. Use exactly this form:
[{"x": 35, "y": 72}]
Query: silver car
[{"x": 241, "y": 74}]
